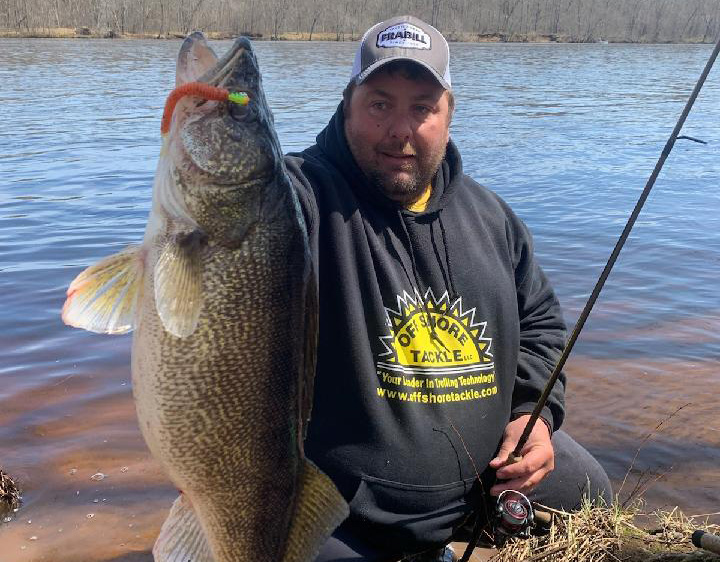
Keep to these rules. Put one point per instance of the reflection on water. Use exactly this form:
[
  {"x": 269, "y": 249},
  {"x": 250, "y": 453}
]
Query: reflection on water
[{"x": 568, "y": 134}]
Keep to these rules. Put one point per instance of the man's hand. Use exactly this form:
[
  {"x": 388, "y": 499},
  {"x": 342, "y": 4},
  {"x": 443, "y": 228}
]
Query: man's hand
[{"x": 538, "y": 458}]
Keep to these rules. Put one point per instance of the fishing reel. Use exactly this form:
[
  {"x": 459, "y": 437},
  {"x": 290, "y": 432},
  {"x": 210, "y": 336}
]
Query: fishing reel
[{"x": 513, "y": 517}]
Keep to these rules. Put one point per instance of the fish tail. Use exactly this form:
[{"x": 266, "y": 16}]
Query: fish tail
[
  {"x": 181, "y": 536},
  {"x": 318, "y": 510}
]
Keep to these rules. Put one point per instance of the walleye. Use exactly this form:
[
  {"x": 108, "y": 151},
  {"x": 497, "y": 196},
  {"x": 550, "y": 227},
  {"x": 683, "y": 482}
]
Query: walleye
[{"x": 222, "y": 300}]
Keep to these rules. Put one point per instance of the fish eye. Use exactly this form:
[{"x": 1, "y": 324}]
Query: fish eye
[{"x": 238, "y": 111}]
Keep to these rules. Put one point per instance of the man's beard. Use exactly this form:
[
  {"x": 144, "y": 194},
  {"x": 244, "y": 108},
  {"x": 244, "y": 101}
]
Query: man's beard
[
  {"x": 410, "y": 187},
  {"x": 405, "y": 189}
]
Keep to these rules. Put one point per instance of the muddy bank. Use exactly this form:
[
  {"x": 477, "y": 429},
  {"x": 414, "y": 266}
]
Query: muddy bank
[{"x": 453, "y": 37}]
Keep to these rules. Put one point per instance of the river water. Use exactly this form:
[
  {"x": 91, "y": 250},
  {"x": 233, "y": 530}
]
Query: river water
[{"x": 567, "y": 134}]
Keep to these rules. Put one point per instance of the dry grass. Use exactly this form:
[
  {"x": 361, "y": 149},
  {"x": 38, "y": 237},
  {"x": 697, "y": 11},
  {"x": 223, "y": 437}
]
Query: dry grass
[
  {"x": 9, "y": 494},
  {"x": 613, "y": 534},
  {"x": 88, "y": 33},
  {"x": 623, "y": 532},
  {"x": 53, "y": 33}
]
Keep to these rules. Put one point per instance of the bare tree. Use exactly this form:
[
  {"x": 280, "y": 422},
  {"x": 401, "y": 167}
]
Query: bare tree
[
  {"x": 507, "y": 9},
  {"x": 659, "y": 9},
  {"x": 579, "y": 20},
  {"x": 278, "y": 18},
  {"x": 186, "y": 11},
  {"x": 314, "y": 18}
]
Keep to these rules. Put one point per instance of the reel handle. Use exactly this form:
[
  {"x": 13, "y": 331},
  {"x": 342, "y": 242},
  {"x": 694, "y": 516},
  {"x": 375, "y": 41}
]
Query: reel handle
[{"x": 706, "y": 541}]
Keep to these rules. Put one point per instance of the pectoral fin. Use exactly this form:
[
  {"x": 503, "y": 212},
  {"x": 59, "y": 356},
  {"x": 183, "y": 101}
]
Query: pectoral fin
[
  {"x": 319, "y": 508},
  {"x": 181, "y": 537},
  {"x": 103, "y": 298},
  {"x": 178, "y": 284}
]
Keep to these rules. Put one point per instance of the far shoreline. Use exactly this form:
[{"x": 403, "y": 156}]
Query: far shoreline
[{"x": 453, "y": 37}]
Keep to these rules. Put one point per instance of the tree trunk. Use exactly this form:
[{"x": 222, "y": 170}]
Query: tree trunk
[{"x": 312, "y": 25}]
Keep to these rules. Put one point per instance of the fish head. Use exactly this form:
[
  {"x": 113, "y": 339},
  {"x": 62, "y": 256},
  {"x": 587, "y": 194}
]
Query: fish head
[
  {"x": 226, "y": 141},
  {"x": 223, "y": 154}
]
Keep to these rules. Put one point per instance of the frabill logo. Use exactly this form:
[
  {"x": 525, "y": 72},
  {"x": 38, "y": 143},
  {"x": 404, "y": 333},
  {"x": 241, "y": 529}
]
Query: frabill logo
[{"x": 403, "y": 35}]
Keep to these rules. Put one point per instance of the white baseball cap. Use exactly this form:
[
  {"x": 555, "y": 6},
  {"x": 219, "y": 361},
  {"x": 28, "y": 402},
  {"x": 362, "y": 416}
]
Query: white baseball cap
[{"x": 403, "y": 38}]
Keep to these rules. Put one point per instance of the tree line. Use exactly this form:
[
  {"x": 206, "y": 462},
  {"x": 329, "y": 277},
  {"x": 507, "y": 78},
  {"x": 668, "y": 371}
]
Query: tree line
[{"x": 468, "y": 20}]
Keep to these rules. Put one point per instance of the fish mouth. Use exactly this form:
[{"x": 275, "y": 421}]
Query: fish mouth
[{"x": 237, "y": 70}]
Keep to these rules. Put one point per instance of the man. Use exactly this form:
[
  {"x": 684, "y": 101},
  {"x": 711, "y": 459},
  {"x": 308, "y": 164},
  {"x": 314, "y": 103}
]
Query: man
[{"x": 438, "y": 329}]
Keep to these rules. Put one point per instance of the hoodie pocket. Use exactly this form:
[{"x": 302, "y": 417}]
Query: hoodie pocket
[{"x": 408, "y": 516}]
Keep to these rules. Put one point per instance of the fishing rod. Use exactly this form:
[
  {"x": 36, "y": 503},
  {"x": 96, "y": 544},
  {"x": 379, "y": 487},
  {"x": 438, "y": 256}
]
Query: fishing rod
[{"x": 516, "y": 455}]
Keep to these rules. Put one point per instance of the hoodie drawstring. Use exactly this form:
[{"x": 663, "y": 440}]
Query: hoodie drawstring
[
  {"x": 434, "y": 338},
  {"x": 453, "y": 294},
  {"x": 439, "y": 259}
]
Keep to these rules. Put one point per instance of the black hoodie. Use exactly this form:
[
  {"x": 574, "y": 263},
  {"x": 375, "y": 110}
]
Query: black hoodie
[{"x": 435, "y": 328}]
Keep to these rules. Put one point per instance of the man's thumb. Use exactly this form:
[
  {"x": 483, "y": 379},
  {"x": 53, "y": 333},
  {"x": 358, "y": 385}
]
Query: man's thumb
[{"x": 505, "y": 449}]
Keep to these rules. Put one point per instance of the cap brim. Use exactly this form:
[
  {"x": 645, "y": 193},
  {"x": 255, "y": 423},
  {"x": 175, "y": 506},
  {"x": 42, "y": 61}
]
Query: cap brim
[{"x": 365, "y": 74}]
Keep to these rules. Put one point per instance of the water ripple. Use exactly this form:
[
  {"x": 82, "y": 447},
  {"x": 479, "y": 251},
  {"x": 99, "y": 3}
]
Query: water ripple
[{"x": 567, "y": 134}]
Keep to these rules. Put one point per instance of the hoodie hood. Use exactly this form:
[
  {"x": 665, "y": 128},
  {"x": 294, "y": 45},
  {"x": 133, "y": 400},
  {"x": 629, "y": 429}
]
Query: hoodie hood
[{"x": 333, "y": 144}]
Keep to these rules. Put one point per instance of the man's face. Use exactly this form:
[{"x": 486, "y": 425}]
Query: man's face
[{"x": 397, "y": 130}]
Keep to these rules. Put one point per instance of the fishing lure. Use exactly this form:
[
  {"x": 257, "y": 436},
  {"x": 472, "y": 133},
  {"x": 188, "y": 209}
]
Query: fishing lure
[{"x": 200, "y": 90}]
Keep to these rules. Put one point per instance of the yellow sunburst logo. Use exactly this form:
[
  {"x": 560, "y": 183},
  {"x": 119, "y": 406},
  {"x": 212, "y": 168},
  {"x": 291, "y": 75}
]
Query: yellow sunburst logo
[{"x": 435, "y": 337}]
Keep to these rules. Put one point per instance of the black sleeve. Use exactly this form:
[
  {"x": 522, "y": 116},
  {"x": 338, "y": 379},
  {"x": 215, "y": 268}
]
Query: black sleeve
[
  {"x": 295, "y": 166},
  {"x": 542, "y": 332}
]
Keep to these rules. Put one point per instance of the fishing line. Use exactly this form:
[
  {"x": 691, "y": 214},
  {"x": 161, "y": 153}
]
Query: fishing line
[{"x": 516, "y": 454}]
